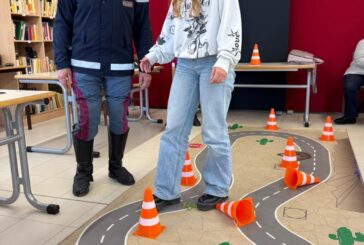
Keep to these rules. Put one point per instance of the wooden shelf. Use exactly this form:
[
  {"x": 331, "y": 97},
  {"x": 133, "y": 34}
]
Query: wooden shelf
[
  {"x": 48, "y": 17},
  {"x": 27, "y": 41},
  {"x": 12, "y": 68},
  {"x": 25, "y": 15}
]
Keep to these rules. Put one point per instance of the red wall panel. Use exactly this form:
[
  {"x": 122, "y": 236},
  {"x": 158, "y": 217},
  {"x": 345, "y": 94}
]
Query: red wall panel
[
  {"x": 161, "y": 83},
  {"x": 330, "y": 30}
]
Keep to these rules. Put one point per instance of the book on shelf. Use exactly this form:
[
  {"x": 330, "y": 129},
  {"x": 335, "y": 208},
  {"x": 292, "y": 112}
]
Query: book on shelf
[
  {"x": 48, "y": 8},
  {"x": 51, "y": 67},
  {"x": 24, "y": 32},
  {"x": 47, "y": 31},
  {"x": 23, "y": 7},
  {"x": 55, "y": 102},
  {"x": 33, "y": 63}
]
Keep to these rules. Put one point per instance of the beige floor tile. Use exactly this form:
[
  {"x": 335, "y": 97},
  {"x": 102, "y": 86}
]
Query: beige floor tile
[
  {"x": 59, "y": 237},
  {"x": 29, "y": 232},
  {"x": 7, "y": 222},
  {"x": 88, "y": 215},
  {"x": 53, "y": 187}
]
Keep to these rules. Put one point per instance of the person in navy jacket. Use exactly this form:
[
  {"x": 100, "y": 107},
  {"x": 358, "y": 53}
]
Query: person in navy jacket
[{"x": 93, "y": 47}]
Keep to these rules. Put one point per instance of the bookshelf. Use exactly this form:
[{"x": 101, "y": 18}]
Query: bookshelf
[{"x": 26, "y": 37}]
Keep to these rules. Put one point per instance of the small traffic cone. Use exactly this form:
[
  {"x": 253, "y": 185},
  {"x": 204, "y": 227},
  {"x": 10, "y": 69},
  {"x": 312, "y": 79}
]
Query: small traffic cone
[
  {"x": 328, "y": 131},
  {"x": 242, "y": 211},
  {"x": 289, "y": 159},
  {"x": 255, "y": 59},
  {"x": 295, "y": 178},
  {"x": 188, "y": 178},
  {"x": 149, "y": 225},
  {"x": 272, "y": 121}
]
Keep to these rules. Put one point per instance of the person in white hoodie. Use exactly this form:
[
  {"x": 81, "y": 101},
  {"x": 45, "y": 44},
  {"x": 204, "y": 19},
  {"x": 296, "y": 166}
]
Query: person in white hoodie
[
  {"x": 206, "y": 37},
  {"x": 353, "y": 80}
]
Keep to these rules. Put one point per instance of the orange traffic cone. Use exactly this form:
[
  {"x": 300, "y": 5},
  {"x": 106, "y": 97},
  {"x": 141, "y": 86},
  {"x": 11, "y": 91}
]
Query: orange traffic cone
[
  {"x": 295, "y": 178},
  {"x": 255, "y": 60},
  {"x": 242, "y": 211},
  {"x": 328, "y": 131},
  {"x": 289, "y": 159},
  {"x": 272, "y": 121},
  {"x": 188, "y": 179},
  {"x": 149, "y": 225}
]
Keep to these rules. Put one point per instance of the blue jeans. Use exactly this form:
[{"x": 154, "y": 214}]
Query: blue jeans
[
  {"x": 87, "y": 89},
  {"x": 191, "y": 86},
  {"x": 352, "y": 83}
]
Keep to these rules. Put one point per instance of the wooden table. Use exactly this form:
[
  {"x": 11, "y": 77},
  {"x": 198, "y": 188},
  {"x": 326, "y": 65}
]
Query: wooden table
[
  {"x": 20, "y": 98},
  {"x": 283, "y": 67},
  {"x": 52, "y": 78}
]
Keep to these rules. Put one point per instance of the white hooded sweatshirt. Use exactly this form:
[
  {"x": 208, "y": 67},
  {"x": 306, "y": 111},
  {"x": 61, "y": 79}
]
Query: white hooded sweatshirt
[
  {"x": 357, "y": 65},
  {"x": 217, "y": 31}
]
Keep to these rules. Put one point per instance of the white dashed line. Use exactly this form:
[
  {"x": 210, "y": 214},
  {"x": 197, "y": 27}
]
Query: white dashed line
[
  {"x": 265, "y": 198},
  {"x": 258, "y": 224},
  {"x": 312, "y": 173},
  {"x": 123, "y": 217},
  {"x": 284, "y": 244},
  {"x": 312, "y": 147},
  {"x": 110, "y": 227},
  {"x": 295, "y": 138},
  {"x": 270, "y": 235},
  {"x": 314, "y": 169},
  {"x": 277, "y": 192},
  {"x": 303, "y": 141},
  {"x": 138, "y": 211},
  {"x": 257, "y": 205},
  {"x": 102, "y": 239},
  {"x": 285, "y": 188},
  {"x": 308, "y": 144},
  {"x": 193, "y": 197}
]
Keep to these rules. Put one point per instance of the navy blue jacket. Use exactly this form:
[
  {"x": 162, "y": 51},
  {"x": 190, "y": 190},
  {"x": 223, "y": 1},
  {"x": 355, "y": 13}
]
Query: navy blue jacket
[{"x": 96, "y": 36}]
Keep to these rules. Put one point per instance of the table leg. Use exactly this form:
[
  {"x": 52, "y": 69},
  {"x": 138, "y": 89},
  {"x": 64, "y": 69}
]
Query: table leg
[
  {"x": 12, "y": 157},
  {"x": 147, "y": 109},
  {"x": 308, "y": 93},
  {"x": 68, "y": 145},
  {"x": 141, "y": 106},
  {"x": 49, "y": 208}
]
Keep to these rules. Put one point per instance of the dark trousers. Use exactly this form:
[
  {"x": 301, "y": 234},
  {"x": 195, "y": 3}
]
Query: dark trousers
[{"x": 352, "y": 84}]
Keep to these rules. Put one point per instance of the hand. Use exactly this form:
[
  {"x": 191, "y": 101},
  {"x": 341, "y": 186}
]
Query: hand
[
  {"x": 218, "y": 75},
  {"x": 65, "y": 77},
  {"x": 145, "y": 65},
  {"x": 144, "y": 80}
]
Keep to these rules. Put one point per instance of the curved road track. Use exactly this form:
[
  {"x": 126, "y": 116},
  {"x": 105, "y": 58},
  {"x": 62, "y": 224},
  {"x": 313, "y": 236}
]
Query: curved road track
[{"x": 114, "y": 227}]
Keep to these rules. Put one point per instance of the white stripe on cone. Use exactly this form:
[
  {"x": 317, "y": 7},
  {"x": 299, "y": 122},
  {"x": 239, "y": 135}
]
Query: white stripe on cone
[
  {"x": 328, "y": 133},
  {"x": 312, "y": 179},
  {"x": 272, "y": 116},
  {"x": 187, "y": 162},
  {"x": 304, "y": 179},
  {"x": 229, "y": 208},
  {"x": 187, "y": 174},
  {"x": 255, "y": 57},
  {"x": 290, "y": 159},
  {"x": 149, "y": 222},
  {"x": 290, "y": 148},
  {"x": 272, "y": 123},
  {"x": 222, "y": 206},
  {"x": 328, "y": 125},
  {"x": 148, "y": 205}
]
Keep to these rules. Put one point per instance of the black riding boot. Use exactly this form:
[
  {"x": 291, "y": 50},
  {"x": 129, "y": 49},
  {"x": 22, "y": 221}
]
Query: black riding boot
[
  {"x": 116, "y": 152},
  {"x": 81, "y": 181}
]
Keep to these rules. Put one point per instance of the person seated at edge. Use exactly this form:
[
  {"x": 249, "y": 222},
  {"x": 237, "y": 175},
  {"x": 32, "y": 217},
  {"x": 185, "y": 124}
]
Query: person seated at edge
[
  {"x": 205, "y": 36},
  {"x": 353, "y": 80}
]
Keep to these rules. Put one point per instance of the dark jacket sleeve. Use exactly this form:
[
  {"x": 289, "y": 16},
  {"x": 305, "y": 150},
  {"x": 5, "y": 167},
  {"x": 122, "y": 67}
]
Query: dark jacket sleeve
[
  {"x": 142, "y": 33},
  {"x": 62, "y": 36}
]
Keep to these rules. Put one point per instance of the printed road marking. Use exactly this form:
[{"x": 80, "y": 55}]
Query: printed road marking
[
  {"x": 110, "y": 227},
  {"x": 275, "y": 193},
  {"x": 257, "y": 205},
  {"x": 258, "y": 224},
  {"x": 138, "y": 211},
  {"x": 193, "y": 197},
  {"x": 102, "y": 239},
  {"x": 265, "y": 198},
  {"x": 123, "y": 217},
  {"x": 285, "y": 188},
  {"x": 270, "y": 235}
]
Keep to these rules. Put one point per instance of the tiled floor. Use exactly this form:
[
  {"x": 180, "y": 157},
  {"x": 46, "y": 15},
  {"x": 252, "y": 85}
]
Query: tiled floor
[{"x": 51, "y": 175}]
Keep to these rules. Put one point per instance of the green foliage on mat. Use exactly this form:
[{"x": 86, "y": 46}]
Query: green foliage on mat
[
  {"x": 264, "y": 141},
  {"x": 224, "y": 243},
  {"x": 235, "y": 126},
  {"x": 189, "y": 206},
  {"x": 345, "y": 236}
]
